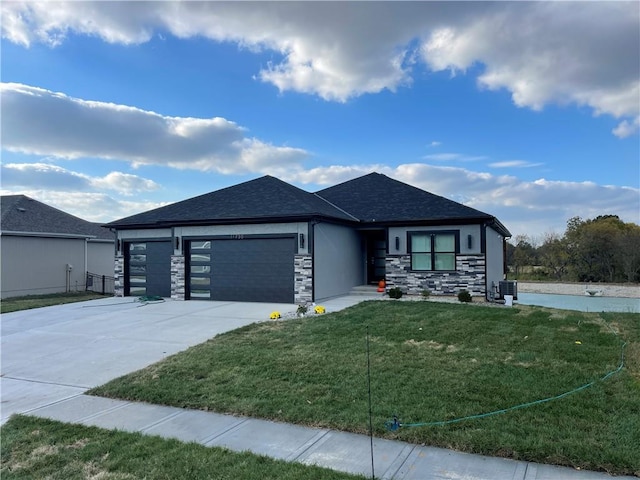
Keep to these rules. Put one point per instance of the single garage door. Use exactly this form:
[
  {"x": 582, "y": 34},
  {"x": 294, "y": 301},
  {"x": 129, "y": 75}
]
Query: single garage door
[
  {"x": 245, "y": 270},
  {"x": 149, "y": 268}
]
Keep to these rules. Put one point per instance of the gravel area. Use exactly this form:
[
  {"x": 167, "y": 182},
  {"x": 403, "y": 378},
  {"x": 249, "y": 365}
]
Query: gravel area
[{"x": 600, "y": 289}]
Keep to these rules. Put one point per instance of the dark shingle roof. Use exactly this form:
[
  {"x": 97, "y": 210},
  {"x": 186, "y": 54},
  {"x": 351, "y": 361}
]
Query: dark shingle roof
[
  {"x": 373, "y": 198},
  {"x": 23, "y": 214},
  {"x": 378, "y": 198},
  {"x": 264, "y": 198}
]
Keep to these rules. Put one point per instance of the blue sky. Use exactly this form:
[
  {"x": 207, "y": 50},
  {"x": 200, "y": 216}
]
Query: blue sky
[{"x": 527, "y": 111}]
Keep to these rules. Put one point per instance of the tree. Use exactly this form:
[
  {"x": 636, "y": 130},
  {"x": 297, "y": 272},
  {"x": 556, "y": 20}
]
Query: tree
[
  {"x": 628, "y": 248},
  {"x": 554, "y": 255},
  {"x": 524, "y": 253},
  {"x": 592, "y": 247}
]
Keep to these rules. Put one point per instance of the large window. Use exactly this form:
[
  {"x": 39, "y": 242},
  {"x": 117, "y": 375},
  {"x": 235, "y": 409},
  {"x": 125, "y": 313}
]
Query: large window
[{"x": 433, "y": 251}]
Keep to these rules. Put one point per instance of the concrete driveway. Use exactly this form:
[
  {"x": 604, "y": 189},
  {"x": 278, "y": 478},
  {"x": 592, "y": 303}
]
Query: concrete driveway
[{"x": 55, "y": 353}]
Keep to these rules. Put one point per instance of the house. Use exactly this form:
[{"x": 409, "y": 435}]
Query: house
[
  {"x": 267, "y": 241},
  {"x": 45, "y": 250}
]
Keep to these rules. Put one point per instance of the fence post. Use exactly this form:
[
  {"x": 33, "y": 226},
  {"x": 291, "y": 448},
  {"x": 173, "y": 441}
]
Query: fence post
[{"x": 103, "y": 282}]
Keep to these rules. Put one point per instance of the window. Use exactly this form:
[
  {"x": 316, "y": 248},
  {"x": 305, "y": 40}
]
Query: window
[{"x": 433, "y": 251}]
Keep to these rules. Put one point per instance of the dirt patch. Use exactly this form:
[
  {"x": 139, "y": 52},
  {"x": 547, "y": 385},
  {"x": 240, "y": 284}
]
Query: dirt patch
[
  {"x": 424, "y": 343},
  {"x": 79, "y": 444},
  {"x": 432, "y": 345},
  {"x": 44, "y": 451}
]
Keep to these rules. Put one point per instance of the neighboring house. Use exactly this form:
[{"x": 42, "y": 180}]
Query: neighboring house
[
  {"x": 267, "y": 241},
  {"x": 45, "y": 250}
]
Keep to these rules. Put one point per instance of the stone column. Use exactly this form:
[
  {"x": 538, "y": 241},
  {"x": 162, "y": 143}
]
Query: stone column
[
  {"x": 118, "y": 276},
  {"x": 177, "y": 277},
  {"x": 303, "y": 279}
]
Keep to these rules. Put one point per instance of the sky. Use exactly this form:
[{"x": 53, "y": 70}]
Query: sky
[{"x": 528, "y": 111}]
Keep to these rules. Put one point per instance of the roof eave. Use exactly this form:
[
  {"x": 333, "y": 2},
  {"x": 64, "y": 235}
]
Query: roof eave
[
  {"x": 224, "y": 221},
  {"x": 16, "y": 233},
  {"x": 426, "y": 221}
]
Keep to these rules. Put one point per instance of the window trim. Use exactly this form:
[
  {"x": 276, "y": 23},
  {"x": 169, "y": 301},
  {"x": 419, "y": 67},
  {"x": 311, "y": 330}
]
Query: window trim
[{"x": 433, "y": 234}]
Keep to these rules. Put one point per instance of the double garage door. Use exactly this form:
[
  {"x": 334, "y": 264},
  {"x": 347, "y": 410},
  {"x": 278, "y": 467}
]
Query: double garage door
[{"x": 241, "y": 269}]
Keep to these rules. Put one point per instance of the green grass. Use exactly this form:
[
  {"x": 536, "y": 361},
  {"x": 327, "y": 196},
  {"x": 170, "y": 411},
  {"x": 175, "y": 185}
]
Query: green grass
[
  {"x": 39, "y": 448},
  {"x": 15, "y": 304},
  {"x": 429, "y": 362}
]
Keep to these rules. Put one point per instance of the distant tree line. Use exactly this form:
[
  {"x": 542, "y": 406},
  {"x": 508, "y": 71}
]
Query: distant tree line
[{"x": 604, "y": 249}]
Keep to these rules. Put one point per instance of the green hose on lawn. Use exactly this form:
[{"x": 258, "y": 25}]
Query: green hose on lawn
[{"x": 150, "y": 299}]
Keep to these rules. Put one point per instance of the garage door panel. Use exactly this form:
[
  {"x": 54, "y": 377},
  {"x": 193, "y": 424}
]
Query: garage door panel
[
  {"x": 149, "y": 265},
  {"x": 256, "y": 270}
]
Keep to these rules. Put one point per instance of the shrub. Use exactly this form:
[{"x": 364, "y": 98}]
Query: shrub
[
  {"x": 464, "y": 296},
  {"x": 395, "y": 292},
  {"x": 426, "y": 293}
]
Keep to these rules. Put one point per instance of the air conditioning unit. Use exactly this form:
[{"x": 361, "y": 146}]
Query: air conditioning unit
[{"x": 508, "y": 287}]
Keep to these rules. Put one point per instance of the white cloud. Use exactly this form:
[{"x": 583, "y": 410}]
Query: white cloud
[
  {"x": 583, "y": 53},
  {"x": 514, "y": 164},
  {"x": 550, "y": 52},
  {"x": 525, "y": 207},
  {"x": 44, "y": 175},
  {"x": 93, "y": 207},
  {"x": 50, "y": 123},
  {"x": 626, "y": 129}
]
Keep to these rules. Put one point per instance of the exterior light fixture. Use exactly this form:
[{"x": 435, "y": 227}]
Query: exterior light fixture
[{"x": 301, "y": 240}]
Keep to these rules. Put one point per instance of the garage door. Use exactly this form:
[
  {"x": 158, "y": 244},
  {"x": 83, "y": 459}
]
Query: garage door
[
  {"x": 246, "y": 270},
  {"x": 149, "y": 268}
]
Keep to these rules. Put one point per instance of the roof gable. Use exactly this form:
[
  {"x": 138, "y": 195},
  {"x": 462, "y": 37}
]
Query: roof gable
[
  {"x": 26, "y": 215},
  {"x": 378, "y": 198},
  {"x": 265, "y": 198}
]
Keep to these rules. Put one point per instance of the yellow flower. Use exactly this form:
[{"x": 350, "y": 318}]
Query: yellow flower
[
  {"x": 319, "y": 309},
  {"x": 275, "y": 315}
]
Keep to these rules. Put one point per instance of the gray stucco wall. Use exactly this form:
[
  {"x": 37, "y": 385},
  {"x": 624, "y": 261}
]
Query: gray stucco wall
[
  {"x": 100, "y": 257},
  {"x": 37, "y": 265},
  {"x": 495, "y": 258},
  {"x": 337, "y": 260}
]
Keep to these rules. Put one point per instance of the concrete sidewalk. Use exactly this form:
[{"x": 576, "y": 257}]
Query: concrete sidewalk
[
  {"x": 52, "y": 355},
  {"x": 346, "y": 452}
]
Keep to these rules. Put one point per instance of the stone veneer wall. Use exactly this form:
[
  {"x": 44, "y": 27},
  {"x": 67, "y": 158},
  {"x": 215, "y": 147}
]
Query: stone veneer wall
[
  {"x": 177, "y": 277},
  {"x": 303, "y": 279},
  {"x": 118, "y": 276},
  {"x": 469, "y": 275}
]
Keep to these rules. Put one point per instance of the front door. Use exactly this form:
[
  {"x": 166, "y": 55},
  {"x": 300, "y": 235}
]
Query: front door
[{"x": 376, "y": 256}]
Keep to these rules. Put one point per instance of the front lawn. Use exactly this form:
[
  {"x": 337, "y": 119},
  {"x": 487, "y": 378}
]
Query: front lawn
[
  {"x": 39, "y": 448},
  {"x": 429, "y": 362},
  {"x": 14, "y": 304}
]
